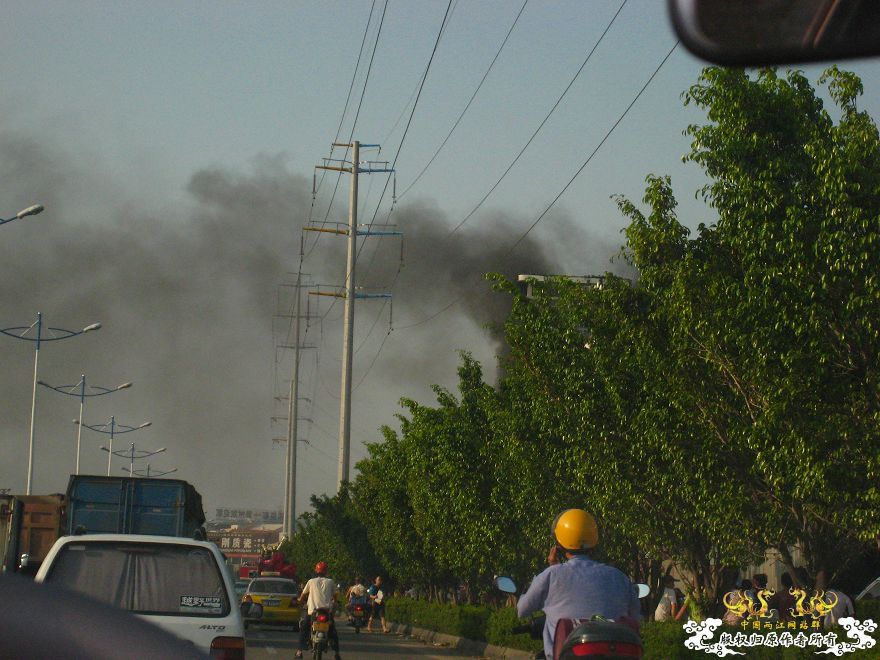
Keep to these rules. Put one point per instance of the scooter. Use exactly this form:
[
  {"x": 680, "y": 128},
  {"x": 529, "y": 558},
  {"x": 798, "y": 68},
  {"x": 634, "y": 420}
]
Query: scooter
[
  {"x": 359, "y": 616},
  {"x": 595, "y": 638},
  {"x": 320, "y": 637}
]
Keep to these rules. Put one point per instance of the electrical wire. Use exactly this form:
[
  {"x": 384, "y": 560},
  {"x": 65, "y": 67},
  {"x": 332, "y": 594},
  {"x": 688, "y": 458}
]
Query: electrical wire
[
  {"x": 541, "y": 125},
  {"x": 347, "y": 100},
  {"x": 561, "y": 192},
  {"x": 354, "y": 123},
  {"x": 468, "y": 105},
  {"x": 412, "y": 114},
  {"x": 406, "y": 130},
  {"x": 593, "y": 153},
  {"x": 526, "y": 146}
]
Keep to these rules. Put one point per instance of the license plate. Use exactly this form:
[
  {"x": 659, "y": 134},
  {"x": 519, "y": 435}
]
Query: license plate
[
  {"x": 321, "y": 626},
  {"x": 271, "y": 602}
]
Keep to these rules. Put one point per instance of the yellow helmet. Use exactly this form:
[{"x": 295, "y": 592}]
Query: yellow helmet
[{"x": 575, "y": 530}]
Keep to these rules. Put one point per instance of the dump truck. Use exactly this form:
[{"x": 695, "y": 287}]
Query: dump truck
[
  {"x": 131, "y": 505},
  {"x": 29, "y": 525}
]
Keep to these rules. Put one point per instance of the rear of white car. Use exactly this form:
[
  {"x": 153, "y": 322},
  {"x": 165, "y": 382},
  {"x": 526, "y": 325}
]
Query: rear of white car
[{"x": 178, "y": 584}]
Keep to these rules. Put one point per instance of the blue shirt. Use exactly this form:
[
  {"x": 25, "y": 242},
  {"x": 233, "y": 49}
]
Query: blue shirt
[{"x": 578, "y": 589}]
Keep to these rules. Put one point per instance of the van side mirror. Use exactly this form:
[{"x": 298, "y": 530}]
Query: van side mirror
[
  {"x": 24, "y": 560},
  {"x": 250, "y": 610}
]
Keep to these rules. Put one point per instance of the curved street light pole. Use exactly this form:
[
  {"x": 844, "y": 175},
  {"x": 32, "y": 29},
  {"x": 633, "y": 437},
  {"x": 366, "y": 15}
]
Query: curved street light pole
[
  {"x": 54, "y": 334},
  {"x": 133, "y": 454},
  {"x": 114, "y": 430},
  {"x": 146, "y": 473},
  {"x": 30, "y": 210},
  {"x": 71, "y": 390}
]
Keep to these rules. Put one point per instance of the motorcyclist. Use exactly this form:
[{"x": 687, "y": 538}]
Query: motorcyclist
[
  {"x": 321, "y": 594},
  {"x": 357, "y": 593},
  {"x": 580, "y": 587}
]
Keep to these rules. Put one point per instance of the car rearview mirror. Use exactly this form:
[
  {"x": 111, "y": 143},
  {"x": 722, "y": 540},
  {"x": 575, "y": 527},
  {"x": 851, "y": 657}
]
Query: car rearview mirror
[{"x": 758, "y": 32}]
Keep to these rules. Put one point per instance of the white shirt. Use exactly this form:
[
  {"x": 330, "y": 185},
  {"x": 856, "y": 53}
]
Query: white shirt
[
  {"x": 321, "y": 591},
  {"x": 664, "y": 607}
]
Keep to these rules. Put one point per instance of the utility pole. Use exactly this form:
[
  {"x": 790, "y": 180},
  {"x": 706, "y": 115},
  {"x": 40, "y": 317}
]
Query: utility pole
[
  {"x": 292, "y": 417},
  {"x": 349, "y": 295},
  {"x": 292, "y": 410},
  {"x": 348, "y": 323}
]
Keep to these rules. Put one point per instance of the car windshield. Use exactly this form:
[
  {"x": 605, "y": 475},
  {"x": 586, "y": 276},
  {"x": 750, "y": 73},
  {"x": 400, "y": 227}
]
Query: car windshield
[
  {"x": 272, "y": 587},
  {"x": 872, "y": 592},
  {"x": 147, "y": 578}
]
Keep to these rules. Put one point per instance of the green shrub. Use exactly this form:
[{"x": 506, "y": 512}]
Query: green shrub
[
  {"x": 499, "y": 627},
  {"x": 461, "y": 620},
  {"x": 661, "y": 640},
  {"x": 868, "y": 609}
]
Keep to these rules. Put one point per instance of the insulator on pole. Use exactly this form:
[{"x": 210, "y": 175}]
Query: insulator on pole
[
  {"x": 394, "y": 189},
  {"x": 314, "y": 184}
]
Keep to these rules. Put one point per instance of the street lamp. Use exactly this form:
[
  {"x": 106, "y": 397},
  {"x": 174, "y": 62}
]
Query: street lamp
[
  {"x": 147, "y": 473},
  {"x": 114, "y": 430},
  {"x": 30, "y": 210},
  {"x": 55, "y": 334},
  {"x": 81, "y": 393},
  {"x": 132, "y": 454}
]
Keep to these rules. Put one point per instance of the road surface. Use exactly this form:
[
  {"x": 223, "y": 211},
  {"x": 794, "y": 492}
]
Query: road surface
[{"x": 274, "y": 643}]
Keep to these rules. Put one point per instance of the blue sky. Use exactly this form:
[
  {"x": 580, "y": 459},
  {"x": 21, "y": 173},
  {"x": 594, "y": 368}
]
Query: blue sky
[{"x": 125, "y": 102}]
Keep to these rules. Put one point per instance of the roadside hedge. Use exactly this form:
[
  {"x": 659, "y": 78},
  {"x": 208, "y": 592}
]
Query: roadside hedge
[
  {"x": 661, "y": 640},
  {"x": 479, "y": 623}
]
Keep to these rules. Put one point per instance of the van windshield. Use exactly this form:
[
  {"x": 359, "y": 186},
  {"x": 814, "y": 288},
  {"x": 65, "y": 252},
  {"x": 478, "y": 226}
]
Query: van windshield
[{"x": 146, "y": 578}]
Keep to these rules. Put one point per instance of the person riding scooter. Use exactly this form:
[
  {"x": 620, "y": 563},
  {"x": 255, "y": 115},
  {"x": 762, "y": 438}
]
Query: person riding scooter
[
  {"x": 578, "y": 587},
  {"x": 320, "y": 592},
  {"x": 356, "y": 595}
]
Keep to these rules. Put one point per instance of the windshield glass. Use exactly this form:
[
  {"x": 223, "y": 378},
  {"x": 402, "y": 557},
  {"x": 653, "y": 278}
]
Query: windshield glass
[
  {"x": 272, "y": 587},
  {"x": 146, "y": 578}
]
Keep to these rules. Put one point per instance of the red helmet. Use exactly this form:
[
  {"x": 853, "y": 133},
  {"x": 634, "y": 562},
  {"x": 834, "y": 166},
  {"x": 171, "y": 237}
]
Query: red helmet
[{"x": 321, "y": 568}]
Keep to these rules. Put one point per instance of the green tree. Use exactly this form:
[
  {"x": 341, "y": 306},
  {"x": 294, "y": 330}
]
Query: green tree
[
  {"x": 790, "y": 272},
  {"x": 332, "y": 533}
]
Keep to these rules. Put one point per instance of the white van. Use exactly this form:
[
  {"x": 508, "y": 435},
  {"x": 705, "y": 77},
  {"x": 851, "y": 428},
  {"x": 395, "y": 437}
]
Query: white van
[{"x": 178, "y": 584}]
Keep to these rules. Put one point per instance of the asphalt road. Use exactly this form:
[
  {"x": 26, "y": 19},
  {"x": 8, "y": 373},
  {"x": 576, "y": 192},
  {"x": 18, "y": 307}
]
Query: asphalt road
[{"x": 272, "y": 642}]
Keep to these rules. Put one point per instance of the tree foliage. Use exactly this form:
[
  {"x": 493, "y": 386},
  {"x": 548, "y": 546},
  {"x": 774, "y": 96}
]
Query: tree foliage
[{"x": 725, "y": 401}]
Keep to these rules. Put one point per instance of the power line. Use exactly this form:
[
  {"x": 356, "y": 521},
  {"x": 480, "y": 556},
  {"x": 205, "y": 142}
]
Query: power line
[
  {"x": 412, "y": 114},
  {"x": 541, "y": 125},
  {"x": 347, "y": 100},
  {"x": 354, "y": 122},
  {"x": 470, "y": 101},
  {"x": 406, "y": 130},
  {"x": 590, "y": 157},
  {"x": 561, "y": 192},
  {"x": 416, "y": 87}
]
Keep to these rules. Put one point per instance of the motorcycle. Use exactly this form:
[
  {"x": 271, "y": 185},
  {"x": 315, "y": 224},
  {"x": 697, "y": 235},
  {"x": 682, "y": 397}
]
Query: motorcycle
[
  {"x": 596, "y": 638},
  {"x": 320, "y": 636},
  {"x": 359, "y": 616}
]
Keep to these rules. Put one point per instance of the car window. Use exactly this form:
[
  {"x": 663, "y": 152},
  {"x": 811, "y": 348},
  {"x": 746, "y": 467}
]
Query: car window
[{"x": 173, "y": 579}]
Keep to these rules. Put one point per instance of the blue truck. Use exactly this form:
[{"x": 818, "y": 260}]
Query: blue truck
[{"x": 129, "y": 505}]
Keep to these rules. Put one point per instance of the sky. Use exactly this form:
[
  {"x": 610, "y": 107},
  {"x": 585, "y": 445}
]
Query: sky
[{"x": 174, "y": 147}]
